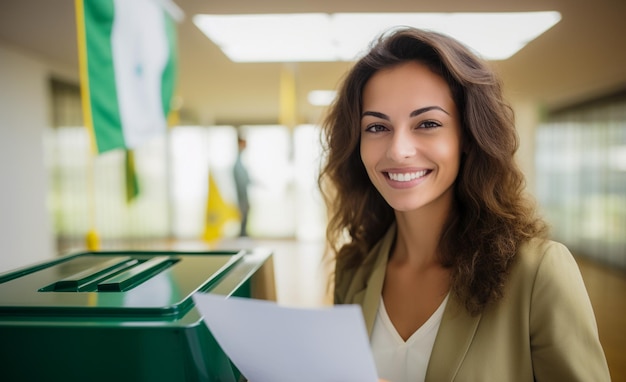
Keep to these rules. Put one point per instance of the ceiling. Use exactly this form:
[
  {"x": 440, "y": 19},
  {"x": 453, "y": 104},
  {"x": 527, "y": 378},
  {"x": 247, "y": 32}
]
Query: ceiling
[{"x": 580, "y": 58}]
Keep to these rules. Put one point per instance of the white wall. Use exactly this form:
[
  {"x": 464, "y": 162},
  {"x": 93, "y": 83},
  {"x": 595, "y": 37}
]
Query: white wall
[{"x": 25, "y": 228}]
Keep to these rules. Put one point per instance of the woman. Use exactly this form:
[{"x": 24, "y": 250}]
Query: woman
[{"x": 432, "y": 233}]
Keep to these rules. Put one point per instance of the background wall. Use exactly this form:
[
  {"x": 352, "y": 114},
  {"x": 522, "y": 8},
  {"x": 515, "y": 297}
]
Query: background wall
[{"x": 25, "y": 229}]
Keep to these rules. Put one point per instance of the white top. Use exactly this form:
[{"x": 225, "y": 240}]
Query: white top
[{"x": 400, "y": 361}]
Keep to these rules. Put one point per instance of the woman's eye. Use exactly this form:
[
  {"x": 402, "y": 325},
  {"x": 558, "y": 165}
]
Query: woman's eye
[
  {"x": 375, "y": 128},
  {"x": 429, "y": 124}
]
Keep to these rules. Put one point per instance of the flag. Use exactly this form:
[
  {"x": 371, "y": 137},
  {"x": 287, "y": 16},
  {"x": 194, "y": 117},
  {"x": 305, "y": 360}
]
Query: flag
[
  {"x": 218, "y": 213},
  {"x": 127, "y": 56},
  {"x": 132, "y": 183}
]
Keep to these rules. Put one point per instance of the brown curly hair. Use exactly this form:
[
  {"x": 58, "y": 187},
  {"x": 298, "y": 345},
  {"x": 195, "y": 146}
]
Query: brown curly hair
[{"x": 492, "y": 216}]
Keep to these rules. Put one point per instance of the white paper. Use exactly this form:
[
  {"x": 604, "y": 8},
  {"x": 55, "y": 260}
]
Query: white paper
[{"x": 272, "y": 343}]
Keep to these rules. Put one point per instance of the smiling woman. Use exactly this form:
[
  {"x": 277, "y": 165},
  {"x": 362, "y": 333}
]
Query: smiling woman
[
  {"x": 432, "y": 232},
  {"x": 411, "y": 137}
]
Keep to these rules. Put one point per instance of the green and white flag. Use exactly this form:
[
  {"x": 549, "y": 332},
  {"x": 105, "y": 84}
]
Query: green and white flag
[{"x": 127, "y": 51}]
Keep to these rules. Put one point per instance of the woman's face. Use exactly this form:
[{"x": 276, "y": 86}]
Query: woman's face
[{"x": 410, "y": 136}]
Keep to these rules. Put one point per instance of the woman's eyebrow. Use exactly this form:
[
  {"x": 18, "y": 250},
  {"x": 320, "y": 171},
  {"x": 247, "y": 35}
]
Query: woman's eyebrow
[
  {"x": 425, "y": 109},
  {"x": 414, "y": 113},
  {"x": 375, "y": 114}
]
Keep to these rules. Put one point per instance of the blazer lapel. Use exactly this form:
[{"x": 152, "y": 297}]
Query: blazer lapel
[
  {"x": 455, "y": 335},
  {"x": 369, "y": 298},
  {"x": 371, "y": 295},
  {"x": 457, "y": 328}
]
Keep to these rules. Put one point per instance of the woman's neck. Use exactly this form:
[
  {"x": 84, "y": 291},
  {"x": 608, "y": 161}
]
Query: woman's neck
[{"x": 419, "y": 233}]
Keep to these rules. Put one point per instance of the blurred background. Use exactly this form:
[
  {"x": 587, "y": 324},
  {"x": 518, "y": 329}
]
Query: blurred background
[{"x": 567, "y": 87}]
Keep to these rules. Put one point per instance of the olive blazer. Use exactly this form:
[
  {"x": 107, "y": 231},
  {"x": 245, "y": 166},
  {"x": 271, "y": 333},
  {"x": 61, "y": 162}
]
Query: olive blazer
[{"x": 543, "y": 329}]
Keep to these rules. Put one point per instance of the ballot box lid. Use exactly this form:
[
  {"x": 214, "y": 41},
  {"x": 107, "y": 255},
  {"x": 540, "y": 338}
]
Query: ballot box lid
[{"x": 114, "y": 284}]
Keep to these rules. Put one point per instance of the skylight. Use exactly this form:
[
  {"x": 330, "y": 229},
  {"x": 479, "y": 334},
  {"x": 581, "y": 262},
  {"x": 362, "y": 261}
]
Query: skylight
[{"x": 310, "y": 37}]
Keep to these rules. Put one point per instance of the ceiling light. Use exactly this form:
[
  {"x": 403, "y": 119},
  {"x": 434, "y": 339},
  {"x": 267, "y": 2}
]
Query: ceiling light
[{"x": 344, "y": 36}]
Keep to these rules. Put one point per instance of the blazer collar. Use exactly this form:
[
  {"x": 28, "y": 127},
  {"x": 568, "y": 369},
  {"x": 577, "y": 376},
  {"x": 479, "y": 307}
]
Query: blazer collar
[
  {"x": 370, "y": 296},
  {"x": 455, "y": 335},
  {"x": 457, "y": 328}
]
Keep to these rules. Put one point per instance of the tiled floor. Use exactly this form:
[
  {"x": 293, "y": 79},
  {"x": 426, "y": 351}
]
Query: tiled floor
[{"x": 300, "y": 281}]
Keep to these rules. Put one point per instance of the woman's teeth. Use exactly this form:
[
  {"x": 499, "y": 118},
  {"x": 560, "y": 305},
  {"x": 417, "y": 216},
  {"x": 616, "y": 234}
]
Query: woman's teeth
[{"x": 407, "y": 176}]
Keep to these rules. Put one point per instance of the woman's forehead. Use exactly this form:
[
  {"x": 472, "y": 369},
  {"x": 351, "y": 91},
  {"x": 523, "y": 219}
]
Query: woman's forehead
[{"x": 413, "y": 83}]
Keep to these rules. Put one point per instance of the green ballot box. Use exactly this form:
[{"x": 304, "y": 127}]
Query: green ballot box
[{"x": 122, "y": 316}]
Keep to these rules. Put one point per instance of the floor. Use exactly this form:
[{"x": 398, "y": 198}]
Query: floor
[{"x": 300, "y": 281}]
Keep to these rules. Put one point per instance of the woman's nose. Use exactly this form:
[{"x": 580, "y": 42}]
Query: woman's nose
[{"x": 401, "y": 146}]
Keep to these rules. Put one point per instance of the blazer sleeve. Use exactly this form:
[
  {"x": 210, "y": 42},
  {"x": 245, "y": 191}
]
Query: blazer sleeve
[{"x": 564, "y": 337}]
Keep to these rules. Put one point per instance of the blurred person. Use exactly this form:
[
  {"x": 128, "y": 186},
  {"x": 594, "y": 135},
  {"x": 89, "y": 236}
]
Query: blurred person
[
  {"x": 432, "y": 233},
  {"x": 242, "y": 182}
]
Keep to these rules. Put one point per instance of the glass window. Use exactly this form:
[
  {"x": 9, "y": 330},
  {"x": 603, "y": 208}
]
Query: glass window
[{"x": 581, "y": 178}]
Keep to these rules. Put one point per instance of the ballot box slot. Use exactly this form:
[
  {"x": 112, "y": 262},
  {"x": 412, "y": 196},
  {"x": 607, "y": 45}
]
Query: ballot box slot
[
  {"x": 84, "y": 280},
  {"x": 136, "y": 275},
  {"x": 119, "y": 274}
]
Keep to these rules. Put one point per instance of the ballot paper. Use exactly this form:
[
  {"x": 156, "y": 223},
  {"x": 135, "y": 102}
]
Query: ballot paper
[{"x": 272, "y": 343}]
